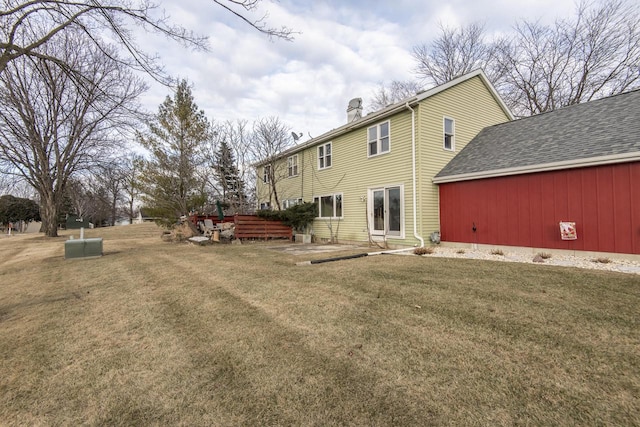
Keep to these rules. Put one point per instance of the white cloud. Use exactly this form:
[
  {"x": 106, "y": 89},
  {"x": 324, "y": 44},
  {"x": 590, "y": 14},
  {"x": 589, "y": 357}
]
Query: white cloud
[{"x": 345, "y": 49}]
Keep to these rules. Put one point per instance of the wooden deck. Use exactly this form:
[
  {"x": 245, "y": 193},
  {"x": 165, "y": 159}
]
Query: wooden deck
[
  {"x": 254, "y": 227},
  {"x": 250, "y": 226}
]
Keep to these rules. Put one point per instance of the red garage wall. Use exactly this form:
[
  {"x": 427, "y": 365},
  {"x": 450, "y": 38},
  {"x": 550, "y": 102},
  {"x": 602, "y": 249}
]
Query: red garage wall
[{"x": 524, "y": 210}]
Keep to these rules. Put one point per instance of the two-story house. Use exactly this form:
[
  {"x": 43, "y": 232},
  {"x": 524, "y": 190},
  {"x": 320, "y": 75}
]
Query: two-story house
[{"x": 372, "y": 178}]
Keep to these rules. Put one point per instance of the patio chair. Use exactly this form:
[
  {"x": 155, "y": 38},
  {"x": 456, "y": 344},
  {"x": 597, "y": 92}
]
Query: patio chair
[{"x": 209, "y": 227}]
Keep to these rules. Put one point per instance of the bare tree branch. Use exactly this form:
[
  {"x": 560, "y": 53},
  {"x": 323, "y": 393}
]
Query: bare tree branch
[
  {"x": 51, "y": 128},
  {"x": 270, "y": 138},
  {"x": 283, "y": 32},
  {"x": 396, "y": 91},
  {"x": 25, "y": 27},
  {"x": 544, "y": 67}
]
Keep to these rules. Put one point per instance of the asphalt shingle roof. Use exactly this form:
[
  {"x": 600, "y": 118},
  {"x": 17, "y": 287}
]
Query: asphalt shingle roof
[{"x": 608, "y": 126}]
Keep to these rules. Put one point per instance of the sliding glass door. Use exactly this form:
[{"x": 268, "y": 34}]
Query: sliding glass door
[{"x": 385, "y": 211}]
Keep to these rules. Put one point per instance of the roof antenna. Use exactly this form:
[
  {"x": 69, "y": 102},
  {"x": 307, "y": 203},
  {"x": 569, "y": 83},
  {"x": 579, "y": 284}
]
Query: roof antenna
[{"x": 296, "y": 137}]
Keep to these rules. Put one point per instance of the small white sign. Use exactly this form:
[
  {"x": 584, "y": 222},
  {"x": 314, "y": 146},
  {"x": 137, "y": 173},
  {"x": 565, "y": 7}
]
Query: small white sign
[{"x": 568, "y": 230}]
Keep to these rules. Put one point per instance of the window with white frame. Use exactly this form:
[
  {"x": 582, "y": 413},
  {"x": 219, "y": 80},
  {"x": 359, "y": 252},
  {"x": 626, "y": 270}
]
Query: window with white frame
[
  {"x": 265, "y": 173},
  {"x": 378, "y": 139},
  {"x": 287, "y": 203},
  {"x": 324, "y": 156},
  {"x": 265, "y": 205},
  {"x": 329, "y": 206},
  {"x": 292, "y": 165},
  {"x": 449, "y": 128}
]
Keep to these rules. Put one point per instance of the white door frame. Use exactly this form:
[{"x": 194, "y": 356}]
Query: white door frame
[{"x": 384, "y": 191}]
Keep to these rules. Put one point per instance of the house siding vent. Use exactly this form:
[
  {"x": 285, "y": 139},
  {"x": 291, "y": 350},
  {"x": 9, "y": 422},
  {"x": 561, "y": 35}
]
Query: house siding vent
[{"x": 354, "y": 110}]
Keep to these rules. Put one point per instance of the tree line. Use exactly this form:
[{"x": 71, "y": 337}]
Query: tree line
[
  {"x": 69, "y": 110},
  {"x": 536, "y": 67}
]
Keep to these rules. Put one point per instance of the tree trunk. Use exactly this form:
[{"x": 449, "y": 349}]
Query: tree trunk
[
  {"x": 114, "y": 210},
  {"x": 131, "y": 211},
  {"x": 49, "y": 215}
]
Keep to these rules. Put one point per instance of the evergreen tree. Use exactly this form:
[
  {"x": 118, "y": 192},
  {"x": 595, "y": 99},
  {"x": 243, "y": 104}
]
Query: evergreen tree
[
  {"x": 14, "y": 209},
  {"x": 230, "y": 183},
  {"x": 175, "y": 141}
]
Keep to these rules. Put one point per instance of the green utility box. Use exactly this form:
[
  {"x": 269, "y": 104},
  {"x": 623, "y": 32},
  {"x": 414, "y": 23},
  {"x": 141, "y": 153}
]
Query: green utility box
[
  {"x": 75, "y": 222},
  {"x": 83, "y": 248}
]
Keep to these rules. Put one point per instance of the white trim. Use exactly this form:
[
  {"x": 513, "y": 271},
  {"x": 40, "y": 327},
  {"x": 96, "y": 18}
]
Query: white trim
[
  {"x": 379, "y": 152},
  {"x": 324, "y": 157},
  {"x": 287, "y": 203},
  {"x": 453, "y": 133},
  {"x": 565, "y": 164},
  {"x": 384, "y": 189},
  {"x": 289, "y": 167},
  {"x": 319, "y": 197}
]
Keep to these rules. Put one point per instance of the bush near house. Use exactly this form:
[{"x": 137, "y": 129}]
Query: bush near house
[{"x": 299, "y": 217}]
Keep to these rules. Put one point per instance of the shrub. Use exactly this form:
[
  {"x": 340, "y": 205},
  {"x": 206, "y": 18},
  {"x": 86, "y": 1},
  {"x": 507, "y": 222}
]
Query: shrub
[
  {"x": 602, "y": 260},
  {"x": 460, "y": 251},
  {"x": 423, "y": 251},
  {"x": 299, "y": 217},
  {"x": 497, "y": 252},
  {"x": 544, "y": 255}
]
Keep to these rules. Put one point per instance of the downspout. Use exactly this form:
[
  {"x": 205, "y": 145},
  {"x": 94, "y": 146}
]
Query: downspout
[{"x": 415, "y": 191}]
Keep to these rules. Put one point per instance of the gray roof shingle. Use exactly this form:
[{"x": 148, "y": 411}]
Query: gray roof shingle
[{"x": 605, "y": 127}]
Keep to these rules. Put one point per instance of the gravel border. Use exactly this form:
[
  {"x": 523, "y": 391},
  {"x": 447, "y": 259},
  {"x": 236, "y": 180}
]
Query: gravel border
[{"x": 617, "y": 265}]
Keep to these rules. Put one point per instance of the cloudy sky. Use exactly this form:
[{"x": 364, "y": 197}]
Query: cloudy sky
[{"x": 344, "y": 49}]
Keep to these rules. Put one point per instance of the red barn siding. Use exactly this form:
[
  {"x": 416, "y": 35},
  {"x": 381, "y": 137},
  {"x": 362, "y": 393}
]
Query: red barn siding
[{"x": 524, "y": 210}]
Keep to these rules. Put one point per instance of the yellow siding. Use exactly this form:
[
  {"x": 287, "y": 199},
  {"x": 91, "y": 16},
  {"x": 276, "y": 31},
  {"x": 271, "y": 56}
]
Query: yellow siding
[
  {"x": 473, "y": 108},
  {"x": 352, "y": 173}
]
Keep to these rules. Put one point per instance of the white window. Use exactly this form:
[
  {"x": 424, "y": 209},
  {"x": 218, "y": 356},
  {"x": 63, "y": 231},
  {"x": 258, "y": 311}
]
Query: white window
[
  {"x": 292, "y": 165},
  {"x": 378, "y": 139},
  {"x": 265, "y": 173},
  {"x": 329, "y": 206},
  {"x": 324, "y": 156},
  {"x": 265, "y": 205},
  {"x": 449, "y": 128},
  {"x": 287, "y": 203}
]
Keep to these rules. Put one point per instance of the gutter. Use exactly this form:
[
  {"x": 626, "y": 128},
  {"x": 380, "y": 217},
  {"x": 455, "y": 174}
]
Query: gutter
[
  {"x": 415, "y": 191},
  {"x": 545, "y": 167}
]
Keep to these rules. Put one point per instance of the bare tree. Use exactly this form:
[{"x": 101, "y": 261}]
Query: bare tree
[
  {"x": 455, "y": 52},
  {"x": 76, "y": 193},
  {"x": 229, "y": 168},
  {"x": 596, "y": 54},
  {"x": 396, "y": 91},
  {"x": 110, "y": 178},
  {"x": 90, "y": 196},
  {"x": 131, "y": 170},
  {"x": 27, "y": 26},
  {"x": 50, "y": 128},
  {"x": 270, "y": 138},
  {"x": 543, "y": 67}
]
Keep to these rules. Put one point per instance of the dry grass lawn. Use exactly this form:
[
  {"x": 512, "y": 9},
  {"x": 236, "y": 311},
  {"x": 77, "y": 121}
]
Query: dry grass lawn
[{"x": 157, "y": 333}]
